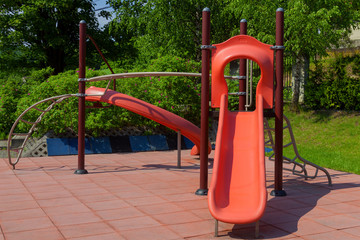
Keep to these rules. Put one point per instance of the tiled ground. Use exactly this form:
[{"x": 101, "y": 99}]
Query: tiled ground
[{"x": 144, "y": 196}]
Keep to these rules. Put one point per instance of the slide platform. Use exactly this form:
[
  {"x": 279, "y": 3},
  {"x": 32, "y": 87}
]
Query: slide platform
[
  {"x": 237, "y": 193},
  {"x": 150, "y": 111}
]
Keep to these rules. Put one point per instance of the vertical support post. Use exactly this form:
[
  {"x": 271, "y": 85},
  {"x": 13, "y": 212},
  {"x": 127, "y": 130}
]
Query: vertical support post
[
  {"x": 257, "y": 229},
  {"x": 242, "y": 69},
  {"x": 81, "y": 118},
  {"x": 205, "y": 69},
  {"x": 278, "y": 190},
  {"x": 179, "y": 149},
  {"x": 216, "y": 232}
]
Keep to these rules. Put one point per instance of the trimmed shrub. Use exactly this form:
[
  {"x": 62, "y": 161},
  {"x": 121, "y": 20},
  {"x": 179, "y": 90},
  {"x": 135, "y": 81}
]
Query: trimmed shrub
[
  {"x": 180, "y": 95},
  {"x": 14, "y": 87},
  {"x": 334, "y": 84}
]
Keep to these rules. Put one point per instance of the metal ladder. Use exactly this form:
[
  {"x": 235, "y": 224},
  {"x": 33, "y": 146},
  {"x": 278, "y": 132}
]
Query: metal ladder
[
  {"x": 299, "y": 163},
  {"x": 12, "y": 135}
]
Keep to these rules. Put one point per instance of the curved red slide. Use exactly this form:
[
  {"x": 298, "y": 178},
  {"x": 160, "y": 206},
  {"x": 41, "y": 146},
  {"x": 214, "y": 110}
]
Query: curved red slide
[
  {"x": 237, "y": 192},
  {"x": 150, "y": 111}
]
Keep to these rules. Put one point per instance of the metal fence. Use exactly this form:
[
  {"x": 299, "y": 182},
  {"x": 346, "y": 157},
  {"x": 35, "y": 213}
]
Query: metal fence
[{"x": 287, "y": 82}]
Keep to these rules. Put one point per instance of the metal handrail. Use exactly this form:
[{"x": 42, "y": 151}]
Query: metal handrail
[
  {"x": 303, "y": 171},
  {"x": 147, "y": 74}
]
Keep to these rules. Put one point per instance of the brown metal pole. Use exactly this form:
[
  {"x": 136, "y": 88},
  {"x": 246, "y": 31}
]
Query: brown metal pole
[
  {"x": 278, "y": 190},
  {"x": 81, "y": 118},
  {"x": 242, "y": 70},
  {"x": 205, "y": 69},
  {"x": 104, "y": 59}
]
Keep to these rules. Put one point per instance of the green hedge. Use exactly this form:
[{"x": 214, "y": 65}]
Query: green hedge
[
  {"x": 13, "y": 87},
  {"x": 334, "y": 84},
  {"x": 180, "y": 95}
]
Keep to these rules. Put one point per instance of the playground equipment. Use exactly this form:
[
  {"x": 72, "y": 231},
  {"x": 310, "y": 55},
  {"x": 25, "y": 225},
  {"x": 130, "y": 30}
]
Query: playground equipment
[
  {"x": 19, "y": 150},
  {"x": 300, "y": 166},
  {"x": 237, "y": 193},
  {"x": 174, "y": 122}
]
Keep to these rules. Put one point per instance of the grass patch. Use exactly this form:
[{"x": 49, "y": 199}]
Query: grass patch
[{"x": 329, "y": 139}]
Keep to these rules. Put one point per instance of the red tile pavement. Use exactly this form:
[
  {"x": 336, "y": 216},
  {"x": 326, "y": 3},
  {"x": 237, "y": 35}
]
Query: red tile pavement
[
  {"x": 176, "y": 218},
  {"x": 25, "y": 224},
  {"x": 153, "y": 233},
  {"x": 144, "y": 196},
  {"x": 83, "y": 230},
  {"x": 134, "y": 223},
  {"x": 35, "y": 234},
  {"x": 333, "y": 235},
  {"x": 354, "y": 231},
  {"x": 122, "y": 213}
]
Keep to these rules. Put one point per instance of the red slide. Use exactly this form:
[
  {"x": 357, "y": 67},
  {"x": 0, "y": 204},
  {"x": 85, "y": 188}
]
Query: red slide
[
  {"x": 237, "y": 192},
  {"x": 150, "y": 111}
]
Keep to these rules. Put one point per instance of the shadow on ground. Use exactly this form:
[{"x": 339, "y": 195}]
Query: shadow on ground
[{"x": 282, "y": 215}]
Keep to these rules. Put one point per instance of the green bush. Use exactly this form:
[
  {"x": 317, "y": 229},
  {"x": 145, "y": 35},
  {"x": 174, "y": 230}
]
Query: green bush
[
  {"x": 334, "y": 84},
  {"x": 180, "y": 95},
  {"x": 13, "y": 87}
]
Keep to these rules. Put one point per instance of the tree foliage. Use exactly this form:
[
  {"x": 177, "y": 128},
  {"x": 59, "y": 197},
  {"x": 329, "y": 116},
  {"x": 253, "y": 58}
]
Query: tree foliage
[
  {"x": 152, "y": 35},
  {"x": 311, "y": 28},
  {"x": 42, "y": 32},
  {"x": 160, "y": 27}
]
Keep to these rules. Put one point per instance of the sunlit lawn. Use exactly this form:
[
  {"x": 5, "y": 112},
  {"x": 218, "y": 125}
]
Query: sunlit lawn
[{"x": 328, "y": 138}]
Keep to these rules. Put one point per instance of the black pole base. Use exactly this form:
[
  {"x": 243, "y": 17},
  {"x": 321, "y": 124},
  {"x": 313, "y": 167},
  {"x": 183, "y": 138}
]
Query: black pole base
[
  {"x": 81, "y": 171},
  {"x": 278, "y": 193},
  {"x": 201, "y": 192}
]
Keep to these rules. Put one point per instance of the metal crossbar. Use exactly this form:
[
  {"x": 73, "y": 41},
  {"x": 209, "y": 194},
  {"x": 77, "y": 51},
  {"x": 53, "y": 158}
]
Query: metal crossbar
[{"x": 148, "y": 74}]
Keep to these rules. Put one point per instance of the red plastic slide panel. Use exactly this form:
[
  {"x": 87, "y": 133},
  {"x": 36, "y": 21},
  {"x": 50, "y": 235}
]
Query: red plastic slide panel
[
  {"x": 245, "y": 47},
  {"x": 150, "y": 111},
  {"x": 237, "y": 193}
]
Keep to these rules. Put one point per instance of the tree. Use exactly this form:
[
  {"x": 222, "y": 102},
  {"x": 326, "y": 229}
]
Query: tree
[
  {"x": 158, "y": 27},
  {"x": 43, "y": 32},
  {"x": 161, "y": 27},
  {"x": 311, "y": 28}
]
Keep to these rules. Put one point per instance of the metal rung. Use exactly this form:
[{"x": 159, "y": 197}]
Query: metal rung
[
  {"x": 238, "y": 93},
  {"x": 238, "y": 78},
  {"x": 290, "y": 160},
  {"x": 289, "y": 144},
  {"x": 273, "y": 129},
  {"x": 18, "y": 148},
  {"x": 40, "y": 110},
  {"x": 20, "y": 134},
  {"x": 25, "y": 121}
]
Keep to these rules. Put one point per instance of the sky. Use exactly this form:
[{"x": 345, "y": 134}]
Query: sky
[{"x": 101, "y": 4}]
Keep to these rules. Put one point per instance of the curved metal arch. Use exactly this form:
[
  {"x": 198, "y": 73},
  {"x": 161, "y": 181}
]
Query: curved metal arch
[{"x": 54, "y": 100}]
